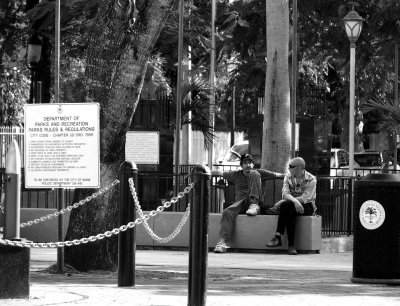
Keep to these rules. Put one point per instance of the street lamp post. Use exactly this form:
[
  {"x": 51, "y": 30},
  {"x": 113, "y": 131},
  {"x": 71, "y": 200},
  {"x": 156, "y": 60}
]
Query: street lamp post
[
  {"x": 33, "y": 53},
  {"x": 353, "y": 25}
]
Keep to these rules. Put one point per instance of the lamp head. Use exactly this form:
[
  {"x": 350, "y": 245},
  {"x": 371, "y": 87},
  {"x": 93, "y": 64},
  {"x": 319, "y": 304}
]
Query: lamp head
[
  {"x": 353, "y": 25},
  {"x": 33, "y": 51}
]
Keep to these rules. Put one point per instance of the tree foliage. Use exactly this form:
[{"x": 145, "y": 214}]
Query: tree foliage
[
  {"x": 14, "y": 82},
  {"x": 13, "y": 93},
  {"x": 105, "y": 49},
  {"x": 106, "y": 45}
]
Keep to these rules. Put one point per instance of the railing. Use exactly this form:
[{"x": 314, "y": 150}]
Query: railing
[
  {"x": 311, "y": 101},
  {"x": 335, "y": 205},
  {"x": 185, "y": 169},
  {"x": 334, "y": 200},
  {"x": 36, "y": 198},
  {"x": 7, "y": 135}
]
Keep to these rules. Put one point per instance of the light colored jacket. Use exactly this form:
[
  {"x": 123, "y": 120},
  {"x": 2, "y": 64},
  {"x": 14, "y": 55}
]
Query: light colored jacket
[{"x": 305, "y": 192}]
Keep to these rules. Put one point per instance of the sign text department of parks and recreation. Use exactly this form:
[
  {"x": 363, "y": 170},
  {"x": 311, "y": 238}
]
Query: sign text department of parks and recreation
[{"x": 62, "y": 145}]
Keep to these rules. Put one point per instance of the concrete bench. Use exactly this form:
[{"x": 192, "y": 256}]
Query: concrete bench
[
  {"x": 46, "y": 231},
  {"x": 251, "y": 233}
]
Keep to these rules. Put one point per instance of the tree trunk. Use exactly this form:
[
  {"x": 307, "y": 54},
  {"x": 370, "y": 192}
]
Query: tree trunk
[
  {"x": 116, "y": 66},
  {"x": 276, "y": 131}
]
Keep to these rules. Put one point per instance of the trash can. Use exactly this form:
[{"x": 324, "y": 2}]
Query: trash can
[{"x": 376, "y": 251}]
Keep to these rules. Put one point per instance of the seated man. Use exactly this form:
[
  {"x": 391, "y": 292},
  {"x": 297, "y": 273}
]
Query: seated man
[
  {"x": 248, "y": 195},
  {"x": 298, "y": 198}
]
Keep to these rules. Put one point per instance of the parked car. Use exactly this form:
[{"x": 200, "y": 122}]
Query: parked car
[
  {"x": 364, "y": 162},
  {"x": 372, "y": 162},
  {"x": 369, "y": 161},
  {"x": 340, "y": 163}
]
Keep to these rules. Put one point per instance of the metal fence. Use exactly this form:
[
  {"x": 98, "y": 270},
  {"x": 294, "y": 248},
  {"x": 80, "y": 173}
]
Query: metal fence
[
  {"x": 36, "y": 198},
  {"x": 334, "y": 197},
  {"x": 334, "y": 193},
  {"x": 335, "y": 205},
  {"x": 7, "y": 135}
]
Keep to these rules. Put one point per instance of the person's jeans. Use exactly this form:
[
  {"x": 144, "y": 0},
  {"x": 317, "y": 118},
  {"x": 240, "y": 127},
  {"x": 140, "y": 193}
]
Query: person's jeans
[
  {"x": 255, "y": 188},
  {"x": 229, "y": 216},
  {"x": 230, "y": 213},
  {"x": 287, "y": 218}
]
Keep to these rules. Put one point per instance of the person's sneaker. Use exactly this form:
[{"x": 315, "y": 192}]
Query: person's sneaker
[
  {"x": 292, "y": 250},
  {"x": 221, "y": 247},
  {"x": 254, "y": 210},
  {"x": 275, "y": 242}
]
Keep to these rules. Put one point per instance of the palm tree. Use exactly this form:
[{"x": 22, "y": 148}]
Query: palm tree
[
  {"x": 276, "y": 133},
  {"x": 371, "y": 212},
  {"x": 390, "y": 123},
  {"x": 195, "y": 99}
]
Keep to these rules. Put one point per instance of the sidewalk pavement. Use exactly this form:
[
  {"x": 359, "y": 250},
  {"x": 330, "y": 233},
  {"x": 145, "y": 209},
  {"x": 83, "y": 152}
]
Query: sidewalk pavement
[{"x": 233, "y": 279}]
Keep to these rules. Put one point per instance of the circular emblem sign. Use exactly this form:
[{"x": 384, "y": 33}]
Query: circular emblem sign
[{"x": 372, "y": 214}]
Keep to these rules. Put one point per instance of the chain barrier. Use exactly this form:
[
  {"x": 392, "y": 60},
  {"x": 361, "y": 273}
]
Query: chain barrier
[
  {"x": 85, "y": 240},
  {"x": 69, "y": 208},
  {"x": 182, "y": 222}
]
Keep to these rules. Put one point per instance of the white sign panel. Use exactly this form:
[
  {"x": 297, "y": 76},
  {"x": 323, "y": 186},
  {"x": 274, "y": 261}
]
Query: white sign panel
[
  {"x": 62, "y": 145},
  {"x": 143, "y": 147}
]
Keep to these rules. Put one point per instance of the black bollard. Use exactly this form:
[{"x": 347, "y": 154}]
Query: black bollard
[
  {"x": 12, "y": 206},
  {"x": 14, "y": 272},
  {"x": 126, "y": 239},
  {"x": 60, "y": 196},
  {"x": 198, "y": 244}
]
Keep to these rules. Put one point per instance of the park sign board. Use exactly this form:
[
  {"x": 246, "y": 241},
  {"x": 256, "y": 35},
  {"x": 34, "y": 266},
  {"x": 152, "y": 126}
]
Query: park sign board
[
  {"x": 62, "y": 145},
  {"x": 143, "y": 147}
]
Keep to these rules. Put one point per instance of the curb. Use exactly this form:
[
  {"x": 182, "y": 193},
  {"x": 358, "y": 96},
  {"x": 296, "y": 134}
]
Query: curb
[{"x": 337, "y": 244}]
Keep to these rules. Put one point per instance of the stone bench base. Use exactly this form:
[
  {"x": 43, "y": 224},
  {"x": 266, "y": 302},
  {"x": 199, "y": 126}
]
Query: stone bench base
[
  {"x": 251, "y": 233},
  {"x": 46, "y": 231}
]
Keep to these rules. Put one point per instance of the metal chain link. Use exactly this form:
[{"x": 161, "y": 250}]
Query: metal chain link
[
  {"x": 69, "y": 208},
  {"x": 84, "y": 240},
  {"x": 182, "y": 222}
]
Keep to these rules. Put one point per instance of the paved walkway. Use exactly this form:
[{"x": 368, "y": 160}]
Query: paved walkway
[{"x": 233, "y": 279}]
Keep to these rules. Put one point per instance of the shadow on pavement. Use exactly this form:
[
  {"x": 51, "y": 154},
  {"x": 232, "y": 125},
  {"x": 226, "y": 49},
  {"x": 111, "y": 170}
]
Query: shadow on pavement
[{"x": 232, "y": 282}]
